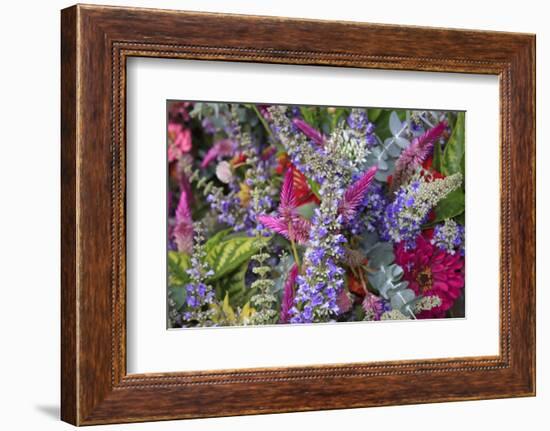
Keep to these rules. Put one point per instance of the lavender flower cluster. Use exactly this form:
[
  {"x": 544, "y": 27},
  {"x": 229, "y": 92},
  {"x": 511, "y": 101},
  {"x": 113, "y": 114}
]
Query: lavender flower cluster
[
  {"x": 404, "y": 216},
  {"x": 449, "y": 236},
  {"x": 199, "y": 293},
  {"x": 323, "y": 280}
]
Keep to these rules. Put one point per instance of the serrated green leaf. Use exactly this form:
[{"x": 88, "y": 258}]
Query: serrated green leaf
[
  {"x": 216, "y": 239},
  {"x": 234, "y": 285},
  {"x": 227, "y": 309},
  {"x": 178, "y": 264},
  {"x": 454, "y": 152},
  {"x": 229, "y": 254}
]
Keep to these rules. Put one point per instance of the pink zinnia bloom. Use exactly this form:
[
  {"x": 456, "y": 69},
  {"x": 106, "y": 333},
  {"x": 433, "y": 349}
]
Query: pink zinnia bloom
[
  {"x": 432, "y": 271},
  {"x": 179, "y": 139}
]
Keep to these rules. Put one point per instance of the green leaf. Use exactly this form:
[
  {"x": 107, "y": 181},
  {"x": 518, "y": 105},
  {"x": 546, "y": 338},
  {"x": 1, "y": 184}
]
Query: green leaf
[
  {"x": 178, "y": 294},
  {"x": 335, "y": 118},
  {"x": 234, "y": 285},
  {"x": 227, "y": 309},
  {"x": 461, "y": 218},
  {"x": 382, "y": 122},
  {"x": 381, "y": 254},
  {"x": 310, "y": 115},
  {"x": 216, "y": 239},
  {"x": 453, "y": 155},
  {"x": 178, "y": 264},
  {"x": 402, "y": 297},
  {"x": 450, "y": 206},
  {"x": 314, "y": 186},
  {"x": 228, "y": 255},
  {"x": 373, "y": 114},
  {"x": 307, "y": 210}
]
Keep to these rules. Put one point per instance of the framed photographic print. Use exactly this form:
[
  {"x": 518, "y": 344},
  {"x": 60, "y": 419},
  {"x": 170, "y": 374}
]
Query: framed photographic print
[{"x": 263, "y": 208}]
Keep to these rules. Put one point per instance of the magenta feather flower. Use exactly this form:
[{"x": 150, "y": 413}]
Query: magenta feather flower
[
  {"x": 309, "y": 131},
  {"x": 415, "y": 154},
  {"x": 183, "y": 230},
  {"x": 288, "y": 222},
  {"x": 288, "y": 294},
  {"x": 355, "y": 194}
]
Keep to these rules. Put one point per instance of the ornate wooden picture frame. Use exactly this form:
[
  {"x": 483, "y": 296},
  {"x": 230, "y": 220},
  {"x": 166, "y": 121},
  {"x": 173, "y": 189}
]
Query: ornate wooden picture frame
[{"x": 96, "y": 41}]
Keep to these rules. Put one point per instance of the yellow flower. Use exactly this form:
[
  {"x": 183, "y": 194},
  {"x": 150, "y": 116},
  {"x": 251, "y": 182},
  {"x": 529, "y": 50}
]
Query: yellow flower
[{"x": 244, "y": 195}]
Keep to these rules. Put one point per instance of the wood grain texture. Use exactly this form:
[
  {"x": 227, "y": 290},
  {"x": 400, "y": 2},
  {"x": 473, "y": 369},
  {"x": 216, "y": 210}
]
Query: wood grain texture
[{"x": 96, "y": 41}]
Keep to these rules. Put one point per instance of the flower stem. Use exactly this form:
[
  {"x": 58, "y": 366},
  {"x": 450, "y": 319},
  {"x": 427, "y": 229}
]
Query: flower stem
[
  {"x": 262, "y": 120},
  {"x": 294, "y": 250}
]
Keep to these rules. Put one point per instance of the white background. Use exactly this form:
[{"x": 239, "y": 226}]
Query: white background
[
  {"x": 153, "y": 349},
  {"x": 29, "y": 215}
]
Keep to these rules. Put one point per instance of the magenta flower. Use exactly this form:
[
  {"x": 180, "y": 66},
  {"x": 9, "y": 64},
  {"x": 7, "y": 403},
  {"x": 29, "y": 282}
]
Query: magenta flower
[
  {"x": 288, "y": 222},
  {"x": 288, "y": 295},
  {"x": 221, "y": 148},
  {"x": 179, "y": 139},
  {"x": 415, "y": 154},
  {"x": 309, "y": 131},
  {"x": 183, "y": 230},
  {"x": 432, "y": 271},
  {"x": 373, "y": 305},
  {"x": 355, "y": 194},
  {"x": 343, "y": 302}
]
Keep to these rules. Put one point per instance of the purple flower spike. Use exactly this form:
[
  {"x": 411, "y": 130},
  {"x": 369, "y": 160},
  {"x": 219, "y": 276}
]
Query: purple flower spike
[{"x": 309, "y": 131}]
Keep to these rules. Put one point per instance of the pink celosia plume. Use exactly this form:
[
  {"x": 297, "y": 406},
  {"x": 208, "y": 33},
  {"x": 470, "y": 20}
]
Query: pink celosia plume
[
  {"x": 355, "y": 194},
  {"x": 415, "y": 154},
  {"x": 288, "y": 294},
  {"x": 288, "y": 222},
  {"x": 183, "y": 230},
  {"x": 309, "y": 131}
]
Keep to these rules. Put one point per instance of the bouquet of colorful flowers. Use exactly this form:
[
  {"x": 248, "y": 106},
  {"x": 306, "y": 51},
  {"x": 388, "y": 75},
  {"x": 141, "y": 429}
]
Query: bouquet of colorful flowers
[{"x": 300, "y": 214}]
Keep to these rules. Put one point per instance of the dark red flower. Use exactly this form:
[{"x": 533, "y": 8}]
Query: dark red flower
[{"x": 432, "y": 271}]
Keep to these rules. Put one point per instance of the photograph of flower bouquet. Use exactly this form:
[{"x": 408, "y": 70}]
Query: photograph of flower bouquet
[{"x": 313, "y": 214}]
